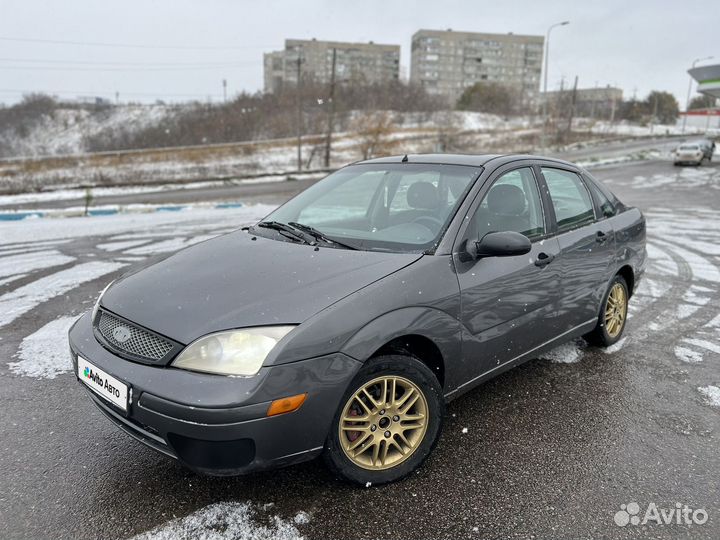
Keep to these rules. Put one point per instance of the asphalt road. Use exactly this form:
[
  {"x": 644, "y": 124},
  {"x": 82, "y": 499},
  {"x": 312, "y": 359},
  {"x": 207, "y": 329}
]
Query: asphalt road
[{"x": 551, "y": 449}]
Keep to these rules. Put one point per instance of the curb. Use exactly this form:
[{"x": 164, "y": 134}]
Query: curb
[{"x": 111, "y": 210}]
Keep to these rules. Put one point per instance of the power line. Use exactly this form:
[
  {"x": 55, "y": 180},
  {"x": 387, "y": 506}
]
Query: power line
[
  {"x": 103, "y": 93},
  {"x": 135, "y": 46},
  {"x": 146, "y": 64},
  {"x": 95, "y": 69}
]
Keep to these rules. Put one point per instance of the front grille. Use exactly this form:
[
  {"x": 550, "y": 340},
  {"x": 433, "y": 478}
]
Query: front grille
[{"x": 131, "y": 339}]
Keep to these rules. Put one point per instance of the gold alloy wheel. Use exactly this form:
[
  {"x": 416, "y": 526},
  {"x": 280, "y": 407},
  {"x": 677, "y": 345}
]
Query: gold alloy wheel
[
  {"x": 615, "y": 310},
  {"x": 383, "y": 423}
]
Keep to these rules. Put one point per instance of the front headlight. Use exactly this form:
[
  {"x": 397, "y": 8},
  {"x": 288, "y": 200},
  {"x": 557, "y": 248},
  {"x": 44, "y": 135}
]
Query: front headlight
[{"x": 235, "y": 352}]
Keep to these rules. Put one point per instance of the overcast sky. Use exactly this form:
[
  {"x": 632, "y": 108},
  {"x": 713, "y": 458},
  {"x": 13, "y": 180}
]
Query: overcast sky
[{"x": 638, "y": 45}]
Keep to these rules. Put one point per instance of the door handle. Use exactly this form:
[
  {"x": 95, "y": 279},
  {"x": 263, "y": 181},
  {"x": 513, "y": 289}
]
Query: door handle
[
  {"x": 601, "y": 237},
  {"x": 544, "y": 259}
]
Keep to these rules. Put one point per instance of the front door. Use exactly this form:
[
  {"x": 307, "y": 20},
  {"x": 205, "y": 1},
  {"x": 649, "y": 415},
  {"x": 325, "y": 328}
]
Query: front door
[{"x": 508, "y": 303}]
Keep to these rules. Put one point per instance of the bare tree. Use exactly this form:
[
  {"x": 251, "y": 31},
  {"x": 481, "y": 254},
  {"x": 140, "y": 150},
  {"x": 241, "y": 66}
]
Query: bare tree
[
  {"x": 374, "y": 131},
  {"x": 448, "y": 130}
]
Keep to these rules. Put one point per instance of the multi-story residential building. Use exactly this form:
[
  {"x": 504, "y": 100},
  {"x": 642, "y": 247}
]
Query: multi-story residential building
[
  {"x": 445, "y": 62},
  {"x": 366, "y": 62}
]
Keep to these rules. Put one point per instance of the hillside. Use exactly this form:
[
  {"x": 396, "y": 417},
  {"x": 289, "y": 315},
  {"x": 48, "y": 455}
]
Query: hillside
[{"x": 47, "y": 145}]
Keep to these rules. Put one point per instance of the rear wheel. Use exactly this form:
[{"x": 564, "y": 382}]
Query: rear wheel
[
  {"x": 388, "y": 421},
  {"x": 613, "y": 315}
]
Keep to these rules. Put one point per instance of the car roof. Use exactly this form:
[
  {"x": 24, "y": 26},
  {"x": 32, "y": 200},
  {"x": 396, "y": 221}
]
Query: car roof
[{"x": 471, "y": 160}]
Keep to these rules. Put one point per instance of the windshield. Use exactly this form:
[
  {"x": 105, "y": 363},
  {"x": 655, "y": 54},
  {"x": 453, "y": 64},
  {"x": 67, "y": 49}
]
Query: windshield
[
  {"x": 390, "y": 207},
  {"x": 690, "y": 147}
]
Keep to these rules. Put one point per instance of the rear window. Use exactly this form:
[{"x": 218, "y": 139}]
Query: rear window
[{"x": 690, "y": 147}]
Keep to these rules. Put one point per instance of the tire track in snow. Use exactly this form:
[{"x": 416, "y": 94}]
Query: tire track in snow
[{"x": 18, "y": 302}]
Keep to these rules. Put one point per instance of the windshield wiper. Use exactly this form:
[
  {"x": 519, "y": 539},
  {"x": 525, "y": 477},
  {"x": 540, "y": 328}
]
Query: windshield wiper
[
  {"x": 319, "y": 235},
  {"x": 288, "y": 231}
]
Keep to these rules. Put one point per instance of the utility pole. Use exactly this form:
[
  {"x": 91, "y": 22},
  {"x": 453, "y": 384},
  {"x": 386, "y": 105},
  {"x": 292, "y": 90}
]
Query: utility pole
[
  {"x": 331, "y": 110},
  {"x": 654, "y": 113},
  {"x": 572, "y": 106},
  {"x": 299, "y": 111},
  {"x": 224, "y": 90},
  {"x": 687, "y": 101}
]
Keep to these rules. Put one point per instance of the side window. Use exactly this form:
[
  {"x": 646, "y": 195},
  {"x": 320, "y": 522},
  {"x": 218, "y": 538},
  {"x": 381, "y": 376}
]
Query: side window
[
  {"x": 570, "y": 199},
  {"x": 512, "y": 204},
  {"x": 607, "y": 209}
]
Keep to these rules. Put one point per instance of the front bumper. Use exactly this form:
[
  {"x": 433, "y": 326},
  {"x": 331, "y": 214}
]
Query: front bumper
[{"x": 216, "y": 424}]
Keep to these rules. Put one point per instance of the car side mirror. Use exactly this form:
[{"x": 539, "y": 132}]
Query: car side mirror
[{"x": 501, "y": 244}]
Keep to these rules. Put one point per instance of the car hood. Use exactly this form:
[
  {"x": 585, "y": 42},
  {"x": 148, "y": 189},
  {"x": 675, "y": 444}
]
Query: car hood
[{"x": 233, "y": 281}]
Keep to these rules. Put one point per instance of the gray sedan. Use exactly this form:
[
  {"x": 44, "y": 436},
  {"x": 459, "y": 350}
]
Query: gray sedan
[{"x": 342, "y": 323}]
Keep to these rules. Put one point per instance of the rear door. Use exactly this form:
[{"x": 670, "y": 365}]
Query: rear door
[{"x": 586, "y": 246}]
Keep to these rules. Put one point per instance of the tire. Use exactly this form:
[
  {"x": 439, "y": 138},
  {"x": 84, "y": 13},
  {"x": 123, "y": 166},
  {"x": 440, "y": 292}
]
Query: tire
[
  {"x": 606, "y": 332},
  {"x": 367, "y": 467}
]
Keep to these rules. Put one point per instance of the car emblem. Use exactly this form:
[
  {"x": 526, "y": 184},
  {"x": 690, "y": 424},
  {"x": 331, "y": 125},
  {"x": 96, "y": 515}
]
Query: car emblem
[{"x": 121, "y": 334}]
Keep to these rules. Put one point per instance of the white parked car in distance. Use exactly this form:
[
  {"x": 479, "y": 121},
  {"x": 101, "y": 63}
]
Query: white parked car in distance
[{"x": 689, "y": 153}]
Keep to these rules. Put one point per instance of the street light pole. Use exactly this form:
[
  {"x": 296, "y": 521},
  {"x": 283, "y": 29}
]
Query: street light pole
[
  {"x": 298, "y": 99},
  {"x": 545, "y": 78},
  {"x": 687, "y": 101}
]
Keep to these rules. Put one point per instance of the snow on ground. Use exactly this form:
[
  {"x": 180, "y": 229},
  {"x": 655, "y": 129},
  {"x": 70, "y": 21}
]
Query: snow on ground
[
  {"x": 622, "y": 158},
  {"x": 174, "y": 244},
  {"x": 16, "y": 303},
  {"x": 688, "y": 355},
  {"x": 21, "y": 264},
  {"x": 44, "y": 354},
  {"x": 119, "y": 246},
  {"x": 79, "y": 193},
  {"x": 5, "y": 281},
  {"x": 160, "y": 222},
  {"x": 686, "y": 237},
  {"x": 464, "y": 120},
  {"x": 228, "y": 521},
  {"x": 567, "y": 353},
  {"x": 712, "y": 394},
  {"x": 687, "y": 177},
  {"x": 626, "y": 128},
  {"x": 612, "y": 349},
  {"x": 65, "y": 131}
]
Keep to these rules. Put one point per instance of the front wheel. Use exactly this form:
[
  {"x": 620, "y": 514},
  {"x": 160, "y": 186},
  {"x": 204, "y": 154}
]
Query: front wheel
[
  {"x": 387, "y": 423},
  {"x": 613, "y": 315}
]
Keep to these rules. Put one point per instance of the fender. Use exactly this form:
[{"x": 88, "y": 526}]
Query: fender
[{"x": 432, "y": 323}]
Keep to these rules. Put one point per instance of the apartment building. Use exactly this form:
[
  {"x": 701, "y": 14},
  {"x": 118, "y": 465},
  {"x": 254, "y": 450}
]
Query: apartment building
[
  {"x": 446, "y": 62},
  {"x": 363, "y": 62}
]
